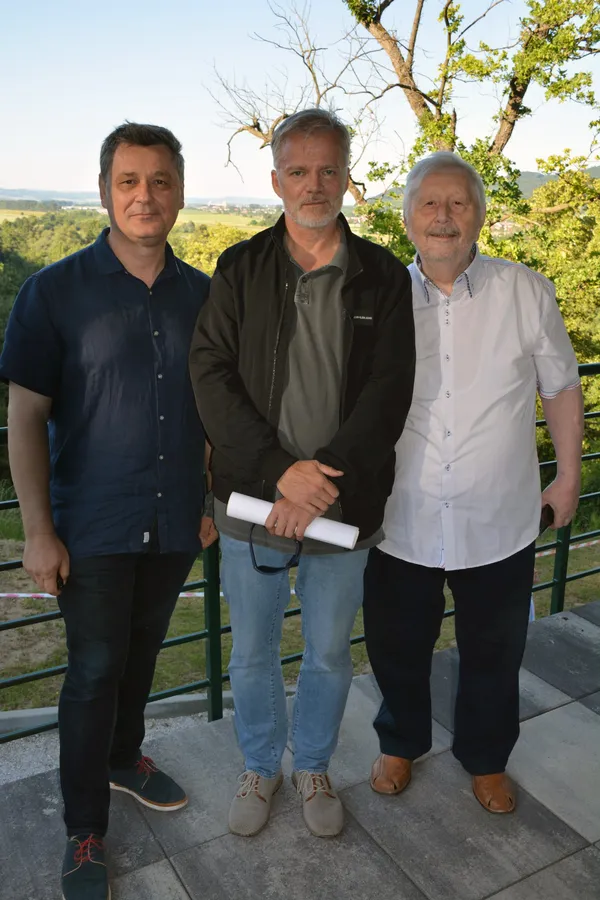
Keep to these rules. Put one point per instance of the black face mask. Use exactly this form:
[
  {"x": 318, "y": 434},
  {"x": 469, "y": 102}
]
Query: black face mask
[{"x": 275, "y": 570}]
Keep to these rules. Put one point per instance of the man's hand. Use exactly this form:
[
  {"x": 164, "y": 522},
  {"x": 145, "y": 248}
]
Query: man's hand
[
  {"x": 306, "y": 484},
  {"x": 288, "y": 520},
  {"x": 46, "y": 558},
  {"x": 563, "y": 496},
  {"x": 208, "y": 532}
]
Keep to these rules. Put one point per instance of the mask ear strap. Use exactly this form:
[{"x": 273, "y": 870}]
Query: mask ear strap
[{"x": 275, "y": 570}]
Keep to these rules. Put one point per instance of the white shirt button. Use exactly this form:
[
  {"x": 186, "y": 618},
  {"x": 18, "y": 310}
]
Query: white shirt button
[
  {"x": 160, "y": 376},
  {"x": 159, "y": 494},
  {"x": 156, "y": 334},
  {"x": 161, "y": 456},
  {"x": 162, "y": 418}
]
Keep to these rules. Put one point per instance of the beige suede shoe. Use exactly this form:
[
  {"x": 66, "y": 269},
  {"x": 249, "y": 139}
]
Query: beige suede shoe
[
  {"x": 322, "y": 808},
  {"x": 251, "y": 806}
]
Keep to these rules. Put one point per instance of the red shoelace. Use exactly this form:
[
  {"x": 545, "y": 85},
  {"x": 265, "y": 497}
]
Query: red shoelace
[
  {"x": 84, "y": 851},
  {"x": 146, "y": 766}
]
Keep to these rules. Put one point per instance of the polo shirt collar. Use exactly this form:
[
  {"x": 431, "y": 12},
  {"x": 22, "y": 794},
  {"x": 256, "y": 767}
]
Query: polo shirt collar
[
  {"x": 107, "y": 262},
  {"x": 471, "y": 279}
]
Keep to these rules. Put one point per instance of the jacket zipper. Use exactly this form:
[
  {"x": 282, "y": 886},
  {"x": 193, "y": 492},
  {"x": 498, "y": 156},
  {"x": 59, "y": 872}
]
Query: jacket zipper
[{"x": 275, "y": 352}]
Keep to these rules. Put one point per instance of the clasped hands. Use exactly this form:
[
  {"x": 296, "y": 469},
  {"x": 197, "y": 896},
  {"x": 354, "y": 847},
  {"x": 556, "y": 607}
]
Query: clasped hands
[{"x": 307, "y": 493}]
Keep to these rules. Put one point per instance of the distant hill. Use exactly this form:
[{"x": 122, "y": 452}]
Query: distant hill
[
  {"x": 92, "y": 198},
  {"x": 528, "y": 182}
]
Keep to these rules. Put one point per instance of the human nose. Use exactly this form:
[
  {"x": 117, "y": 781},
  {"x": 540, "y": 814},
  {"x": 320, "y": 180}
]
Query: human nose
[
  {"x": 314, "y": 182},
  {"x": 443, "y": 212},
  {"x": 144, "y": 193}
]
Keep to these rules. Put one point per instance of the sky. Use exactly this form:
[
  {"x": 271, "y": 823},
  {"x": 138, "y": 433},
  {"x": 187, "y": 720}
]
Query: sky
[{"x": 72, "y": 70}]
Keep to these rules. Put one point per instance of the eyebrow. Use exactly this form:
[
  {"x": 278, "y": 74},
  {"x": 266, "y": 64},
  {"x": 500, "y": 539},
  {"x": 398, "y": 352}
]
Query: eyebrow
[{"x": 154, "y": 174}]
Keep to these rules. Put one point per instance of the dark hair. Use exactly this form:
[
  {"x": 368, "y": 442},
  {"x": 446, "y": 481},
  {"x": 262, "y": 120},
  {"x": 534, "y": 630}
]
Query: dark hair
[
  {"x": 139, "y": 136},
  {"x": 307, "y": 121}
]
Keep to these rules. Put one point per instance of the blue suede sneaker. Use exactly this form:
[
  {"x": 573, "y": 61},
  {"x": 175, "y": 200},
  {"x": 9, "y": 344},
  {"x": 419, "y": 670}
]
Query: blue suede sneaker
[
  {"x": 84, "y": 873},
  {"x": 149, "y": 786}
]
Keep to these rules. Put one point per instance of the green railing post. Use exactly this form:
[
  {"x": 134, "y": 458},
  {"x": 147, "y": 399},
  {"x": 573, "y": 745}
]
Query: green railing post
[
  {"x": 212, "y": 618},
  {"x": 561, "y": 565}
]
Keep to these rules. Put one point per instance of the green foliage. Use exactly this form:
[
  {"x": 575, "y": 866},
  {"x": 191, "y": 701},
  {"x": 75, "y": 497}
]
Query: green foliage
[{"x": 203, "y": 247}]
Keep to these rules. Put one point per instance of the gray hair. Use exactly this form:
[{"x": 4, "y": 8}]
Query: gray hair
[
  {"x": 139, "y": 136},
  {"x": 443, "y": 159},
  {"x": 306, "y": 122}
]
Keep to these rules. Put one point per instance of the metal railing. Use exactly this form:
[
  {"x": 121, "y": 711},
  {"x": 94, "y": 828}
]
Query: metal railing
[{"x": 213, "y": 632}]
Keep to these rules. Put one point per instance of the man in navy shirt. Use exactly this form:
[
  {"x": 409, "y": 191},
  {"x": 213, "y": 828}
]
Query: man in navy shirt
[{"x": 106, "y": 453}]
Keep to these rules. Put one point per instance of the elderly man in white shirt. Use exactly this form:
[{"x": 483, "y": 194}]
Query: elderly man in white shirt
[{"x": 465, "y": 508}]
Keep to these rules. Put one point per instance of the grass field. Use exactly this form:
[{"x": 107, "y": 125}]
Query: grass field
[
  {"x": 42, "y": 646},
  {"x": 201, "y": 217},
  {"x": 7, "y": 215}
]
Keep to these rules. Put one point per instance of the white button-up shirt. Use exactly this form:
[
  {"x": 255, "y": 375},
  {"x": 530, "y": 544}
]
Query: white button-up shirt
[{"x": 467, "y": 486}]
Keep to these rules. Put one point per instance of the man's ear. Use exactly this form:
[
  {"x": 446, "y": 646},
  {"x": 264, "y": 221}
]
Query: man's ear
[
  {"x": 103, "y": 190},
  {"x": 275, "y": 183}
]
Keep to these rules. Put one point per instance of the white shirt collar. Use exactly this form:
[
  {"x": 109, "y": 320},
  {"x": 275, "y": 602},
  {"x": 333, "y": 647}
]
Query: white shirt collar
[{"x": 471, "y": 279}]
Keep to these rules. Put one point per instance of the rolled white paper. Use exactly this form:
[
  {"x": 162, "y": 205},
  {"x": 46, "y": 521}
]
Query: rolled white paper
[{"x": 250, "y": 509}]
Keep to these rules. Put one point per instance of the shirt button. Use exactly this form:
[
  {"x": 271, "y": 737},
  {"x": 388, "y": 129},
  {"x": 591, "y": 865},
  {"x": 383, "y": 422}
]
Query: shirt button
[
  {"x": 162, "y": 457},
  {"x": 160, "y": 376},
  {"x": 156, "y": 334},
  {"x": 447, "y": 393},
  {"x": 447, "y": 358},
  {"x": 159, "y": 494},
  {"x": 448, "y": 467},
  {"x": 447, "y": 505},
  {"x": 150, "y": 292},
  {"x": 448, "y": 434},
  {"x": 162, "y": 418}
]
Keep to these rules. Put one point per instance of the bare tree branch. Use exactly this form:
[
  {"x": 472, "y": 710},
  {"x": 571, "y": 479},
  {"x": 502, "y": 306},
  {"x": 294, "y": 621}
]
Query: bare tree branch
[
  {"x": 413, "y": 35},
  {"x": 482, "y": 16}
]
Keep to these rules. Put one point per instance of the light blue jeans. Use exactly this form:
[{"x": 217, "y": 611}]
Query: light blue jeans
[{"x": 330, "y": 589}]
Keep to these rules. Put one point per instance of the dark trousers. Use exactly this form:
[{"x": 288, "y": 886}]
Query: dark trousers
[
  {"x": 403, "y": 611},
  {"x": 116, "y": 611}
]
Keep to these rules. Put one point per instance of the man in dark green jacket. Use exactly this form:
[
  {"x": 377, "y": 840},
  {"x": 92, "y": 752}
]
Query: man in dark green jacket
[{"x": 303, "y": 364}]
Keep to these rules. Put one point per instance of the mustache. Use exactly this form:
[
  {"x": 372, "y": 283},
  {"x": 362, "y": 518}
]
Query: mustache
[{"x": 444, "y": 232}]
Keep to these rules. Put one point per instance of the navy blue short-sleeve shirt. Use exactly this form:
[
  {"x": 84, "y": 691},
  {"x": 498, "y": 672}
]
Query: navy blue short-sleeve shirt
[{"x": 126, "y": 443}]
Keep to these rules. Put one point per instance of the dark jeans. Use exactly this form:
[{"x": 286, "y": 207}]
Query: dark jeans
[
  {"x": 116, "y": 611},
  {"x": 403, "y": 610}
]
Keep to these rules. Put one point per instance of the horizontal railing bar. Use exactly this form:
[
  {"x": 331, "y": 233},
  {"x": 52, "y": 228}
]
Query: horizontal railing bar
[
  {"x": 32, "y": 676},
  {"x": 543, "y": 586},
  {"x": 185, "y": 639},
  {"x": 9, "y": 504},
  {"x": 28, "y": 732},
  {"x": 589, "y": 496},
  {"x": 577, "y": 575},
  {"x": 542, "y": 547},
  {"x": 30, "y": 620},
  {"x": 584, "y": 537},
  {"x": 183, "y": 689},
  {"x": 11, "y": 564},
  {"x": 585, "y": 458}
]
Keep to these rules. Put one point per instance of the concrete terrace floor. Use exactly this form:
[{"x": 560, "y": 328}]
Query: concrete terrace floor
[{"x": 434, "y": 841}]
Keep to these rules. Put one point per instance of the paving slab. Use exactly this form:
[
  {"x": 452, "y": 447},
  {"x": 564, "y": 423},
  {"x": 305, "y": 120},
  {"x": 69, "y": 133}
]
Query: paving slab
[
  {"x": 536, "y": 696},
  {"x": 557, "y": 759},
  {"x": 32, "y": 838},
  {"x": 206, "y": 761},
  {"x": 564, "y": 650},
  {"x": 590, "y": 611},
  {"x": 592, "y": 701},
  {"x": 285, "y": 862},
  {"x": 448, "y": 845},
  {"x": 156, "y": 882},
  {"x": 575, "y": 878}
]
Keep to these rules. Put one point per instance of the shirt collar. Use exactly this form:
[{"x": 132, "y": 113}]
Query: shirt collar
[
  {"x": 107, "y": 262},
  {"x": 471, "y": 278}
]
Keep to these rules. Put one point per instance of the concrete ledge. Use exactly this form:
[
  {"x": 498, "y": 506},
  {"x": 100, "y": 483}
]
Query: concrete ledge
[{"x": 183, "y": 705}]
